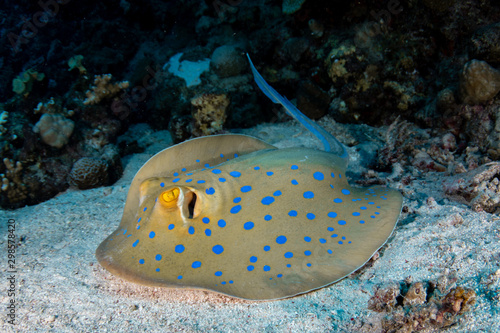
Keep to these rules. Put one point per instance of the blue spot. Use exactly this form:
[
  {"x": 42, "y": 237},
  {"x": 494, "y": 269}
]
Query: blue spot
[
  {"x": 200, "y": 181},
  {"x": 292, "y": 213},
  {"x": 124, "y": 232},
  {"x": 208, "y": 232},
  {"x": 141, "y": 261},
  {"x": 334, "y": 235},
  {"x": 322, "y": 240},
  {"x": 191, "y": 230},
  {"x": 223, "y": 282},
  {"x": 372, "y": 216},
  {"x": 268, "y": 217},
  {"x": 372, "y": 203},
  {"x": 221, "y": 155},
  {"x": 332, "y": 215},
  {"x": 216, "y": 171},
  {"x": 279, "y": 275},
  {"x": 158, "y": 257},
  {"x": 183, "y": 169},
  {"x": 340, "y": 176},
  {"x": 337, "y": 200},
  {"x": 330, "y": 229},
  {"x": 135, "y": 243},
  {"x": 311, "y": 216},
  {"x": 333, "y": 175},
  {"x": 294, "y": 182},
  {"x": 307, "y": 253},
  {"x": 210, "y": 191},
  {"x": 218, "y": 249},
  {"x": 231, "y": 281},
  {"x": 189, "y": 180},
  {"x": 330, "y": 251},
  {"x": 138, "y": 227},
  {"x": 139, "y": 220},
  {"x": 340, "y": 242},
  {"x": 157, "y": 269},
  {"x": 236, "y": 209},
  {"x": 221, "y": 223},
  {"x": 176, "y": 174},
  {"x": 289, "y": 255},
  {"x": 345, "y": 192},
  {"x": 269, "y": 173},
  {"x": 250, "y": 268},
  {"x": 145, "y": 209},
  {"x": 179, "y": 277},
  {"x": 277, "y": 193},
  {"x": 236, "y": 200},
  {"x": 179, "y": 248},
  {"x": 307, "y": 239},
  {"x": 281, "y": 239},
  {"x": 175, "y": 180},
  {"x": 196, "y": 264},
  {"x": 318, "y": 175},
  {"x": 294, "y": 167},
  {"x": 308, "y": 195},
  {"x": 356, "y": 214},
  {"x": 222, "y": 180},
  {"x": 267, "y": 248},
  {"x": 362, "y": 208},
  {"x": 288, "y": 265},
  {"x": 308, "y": 265},
  {"x": 267, "y": 200},
  {"x": 206, "y": 220},
  {"x": 235, "y": 174},
  {"x": 248, "y": 225},
  {"x": 218, "y": 273},
  {"x": 162, "y": 184},
  {"x": 377, "y": 213},
  {"x": 342, "y": 222},
  {"x": 171, "y": 226},
  {"x": 246, "y": 188},
  {"x": 197, "y": 161},
  {"x": 256, "y": 168},
  {"x": 362, "y": 222},
  {"x": 266, "y": 268},
  {"x": 331, "y": 186},
  {"x": 152, "y": 234}
]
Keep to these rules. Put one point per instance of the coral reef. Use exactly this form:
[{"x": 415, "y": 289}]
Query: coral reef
[
  {"x": 479, "y": 188},
  {"x": 104, "y": 89},
  {"x": 291, "y": 6},
  {"x": 419, "y": 306},
  {"x": 479, "y": 82},
  {"x": 54, "y": 129},
  {"x": 53, "y": 106},
  {"x": 209, "y": 113},
  {"x": 23, "y": 83},
  {"x": 89, "y": 173},
  {"x": 76, "y": 62},
  {"x": 3, "y": 119}
]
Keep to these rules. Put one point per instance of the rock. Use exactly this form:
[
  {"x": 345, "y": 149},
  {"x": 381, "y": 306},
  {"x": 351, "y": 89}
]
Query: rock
[
  {"x": 228, "y": 61},
  {"x": 479, "y": 82}
]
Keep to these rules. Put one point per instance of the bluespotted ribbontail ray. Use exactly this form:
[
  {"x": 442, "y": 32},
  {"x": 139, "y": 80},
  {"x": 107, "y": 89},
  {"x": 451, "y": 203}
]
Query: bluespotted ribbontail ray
[{"x": 235, "y": 215}]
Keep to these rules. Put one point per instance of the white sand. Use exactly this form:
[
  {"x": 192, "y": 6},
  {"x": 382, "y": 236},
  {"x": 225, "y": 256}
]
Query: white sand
[{"x": 61, "y": 287}]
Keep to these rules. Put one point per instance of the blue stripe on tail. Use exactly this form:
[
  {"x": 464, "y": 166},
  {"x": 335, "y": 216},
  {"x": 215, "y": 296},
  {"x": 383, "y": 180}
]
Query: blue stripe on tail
[{"x": 326, "y": 138}]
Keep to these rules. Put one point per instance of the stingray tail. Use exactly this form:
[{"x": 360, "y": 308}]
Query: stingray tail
[{"x": 330, "y": 143}]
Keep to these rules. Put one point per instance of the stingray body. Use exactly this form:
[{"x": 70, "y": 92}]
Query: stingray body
[{"x": 235, "y": 215}]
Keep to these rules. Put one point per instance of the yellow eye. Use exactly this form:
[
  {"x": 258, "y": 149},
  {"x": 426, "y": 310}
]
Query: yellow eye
[{"x": 170, "y": 197}]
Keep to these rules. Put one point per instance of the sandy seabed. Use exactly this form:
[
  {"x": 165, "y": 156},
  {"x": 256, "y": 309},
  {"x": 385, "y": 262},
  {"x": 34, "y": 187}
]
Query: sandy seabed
[{"x": 61, "y": 287}]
